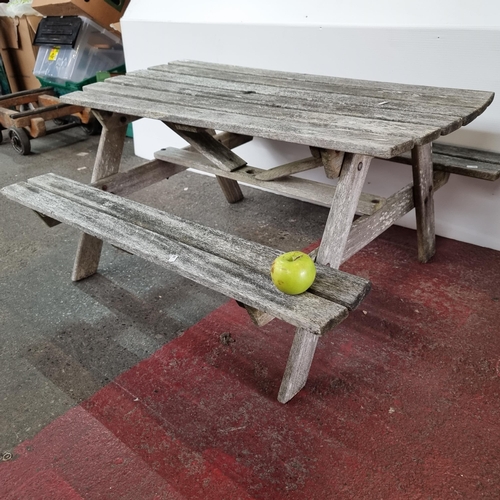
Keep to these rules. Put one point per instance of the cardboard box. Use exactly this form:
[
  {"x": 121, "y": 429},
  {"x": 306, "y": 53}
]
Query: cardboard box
[
  {"x": 17, "y": 51},
  {"x": 103, "y": 12}
]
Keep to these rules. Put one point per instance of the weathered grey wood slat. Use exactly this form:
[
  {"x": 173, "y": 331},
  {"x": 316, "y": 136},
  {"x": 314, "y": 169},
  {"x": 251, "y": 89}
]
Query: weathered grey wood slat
[
  {"x": 338, "y": 224},
  {"x": 107, "y": 162},
  {"x": 239, "y": 282},
  {"x": 135, "y": 179},
  {"x": 349, "y": 124},
  {"x": 231, "y": 140},
  {"x": 332, "y": 162},
  {"x": 449, "y": 119},
  {"x": 331, "y": 284},
  {"x": 142, "y": 176},
  {"x": 353, "y": 173},
  {"x": 365, "y": 229},
  {"x": 466, "y": 153},
  {"x": 383, "y": 90},
  {"x": 291, "y": 168},
  {"x": 230, "y": 188},
  {"x": 219, "y": 69},
  {"x": 109, "y": 151},
  {"x": 210, "y": 147},
  {"x": 310, "y": 100},
  {"x": 304, "y": 189},
  {"x": 423, "y": 195},
  {"x": 300, "y": 133},
  {"x": 462, "y": 161},
  {"x": 438, "y": 96},
  {"x": 298, "y": 364}
]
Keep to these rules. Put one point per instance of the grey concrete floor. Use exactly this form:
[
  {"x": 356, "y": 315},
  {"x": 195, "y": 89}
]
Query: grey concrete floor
[{"x": 62, "y": 341}]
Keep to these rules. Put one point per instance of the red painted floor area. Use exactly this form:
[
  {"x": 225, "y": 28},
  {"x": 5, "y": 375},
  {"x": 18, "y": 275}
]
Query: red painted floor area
[{"x": 402, "y": 402}]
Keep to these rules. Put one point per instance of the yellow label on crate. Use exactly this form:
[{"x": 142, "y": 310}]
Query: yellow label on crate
[{"x": 53, "y": 53}]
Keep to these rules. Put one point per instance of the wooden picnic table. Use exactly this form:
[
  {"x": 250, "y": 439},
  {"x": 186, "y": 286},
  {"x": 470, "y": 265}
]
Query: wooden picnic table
[{"x": 345, "y": 122}]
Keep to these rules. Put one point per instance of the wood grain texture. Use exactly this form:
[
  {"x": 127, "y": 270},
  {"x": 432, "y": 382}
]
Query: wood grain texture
[
  {"x": 236, "y": 280},
  {"x": 137, "y": 178},
  {"x": 423, "y": 196},
  {"x": 372, "y": 118},
  {"x": 366, "y": 228},
  {"x": 316, "y": 192},
  {"x": 331, "y": 249},
  {"x": 469, "y": 162},
  {"x": 231, "y": 140},
  {"x": 330, "y": 284},
  {"x": 338, "y": 225},
  {"x": 107, "y": 163},
  {"x": 332, "y": 162},
  {"x": 287, "y": 97},
  {"x": 341, "y": 100},
  {"x": 142, "y": 176},
  {"x": 88, "y": 255},
  {"x": 230, "y": 188},
  {"x": 109, "y": 151},
  {"x": 331, "y": 84},
  {"x": 328, "y": 136},
  {"x": 298, "y": 364},
  {"x": 207, "y": 145},
  {"x": 287, "y": 169}
]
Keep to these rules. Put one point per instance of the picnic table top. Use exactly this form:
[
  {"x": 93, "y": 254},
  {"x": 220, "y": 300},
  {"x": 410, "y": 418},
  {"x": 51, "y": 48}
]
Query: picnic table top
[{"x": 358, "y": 116}]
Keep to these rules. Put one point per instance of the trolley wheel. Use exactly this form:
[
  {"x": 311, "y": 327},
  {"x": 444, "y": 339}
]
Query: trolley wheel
[
  {"x": 61, "y": 121},
  {"x": 20, "y": 141},
  {"x": 93, "y": 127}
]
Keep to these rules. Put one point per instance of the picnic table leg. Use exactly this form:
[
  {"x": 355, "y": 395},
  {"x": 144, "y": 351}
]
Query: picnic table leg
[
  {"x": 107, "y": 162},
  {"x": 423, "y": 195},
  {"x": 343, "y": 208},
  {"x": 331, "y": 250},
  {"x": 298, "y": 365}
]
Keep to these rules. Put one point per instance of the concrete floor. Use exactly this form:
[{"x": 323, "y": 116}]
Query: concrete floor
[
  {"x": 61, "y": 341},
  {"x": 403, "y": 400}
]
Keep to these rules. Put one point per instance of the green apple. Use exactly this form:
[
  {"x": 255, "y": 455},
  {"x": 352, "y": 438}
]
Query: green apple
[{"x": 293, "y": 272}]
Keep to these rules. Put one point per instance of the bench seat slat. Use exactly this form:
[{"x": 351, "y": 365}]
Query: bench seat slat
[
  {"x": 466, "y": 153},
  {"x": 462, "y": 161},
  {"x": 239, "y": 282},
  {"x": 331, "y": 284}
]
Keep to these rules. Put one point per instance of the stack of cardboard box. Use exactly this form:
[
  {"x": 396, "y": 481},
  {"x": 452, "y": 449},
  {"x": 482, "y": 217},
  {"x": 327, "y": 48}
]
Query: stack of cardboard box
[
  {"x": 17, "y": 51},
  {"x": 17, "y": 34}
]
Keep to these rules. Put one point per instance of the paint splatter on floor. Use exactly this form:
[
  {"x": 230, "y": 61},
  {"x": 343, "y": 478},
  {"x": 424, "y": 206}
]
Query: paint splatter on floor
[{"x": 402, "y": 401}]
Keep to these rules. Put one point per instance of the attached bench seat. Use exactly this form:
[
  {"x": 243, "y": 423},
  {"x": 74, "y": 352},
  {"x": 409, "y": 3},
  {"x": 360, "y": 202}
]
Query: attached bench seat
[
  {"x": 228, "y": 264},
  {"x": 462, "y": 161}
]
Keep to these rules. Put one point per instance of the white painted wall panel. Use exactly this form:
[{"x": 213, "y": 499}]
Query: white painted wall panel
[
  {"x": 466, "y": 209},
  {"x": 420, "y": 13}
]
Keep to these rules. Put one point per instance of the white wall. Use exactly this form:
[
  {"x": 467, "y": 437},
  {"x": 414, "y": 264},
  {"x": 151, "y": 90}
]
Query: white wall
[
  {"x": 396, "y": 13},
  {"x": 454, "y": 47}
]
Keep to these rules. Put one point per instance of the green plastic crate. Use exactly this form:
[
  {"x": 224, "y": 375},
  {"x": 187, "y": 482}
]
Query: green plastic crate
[{"x": 62, "y": 88}]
